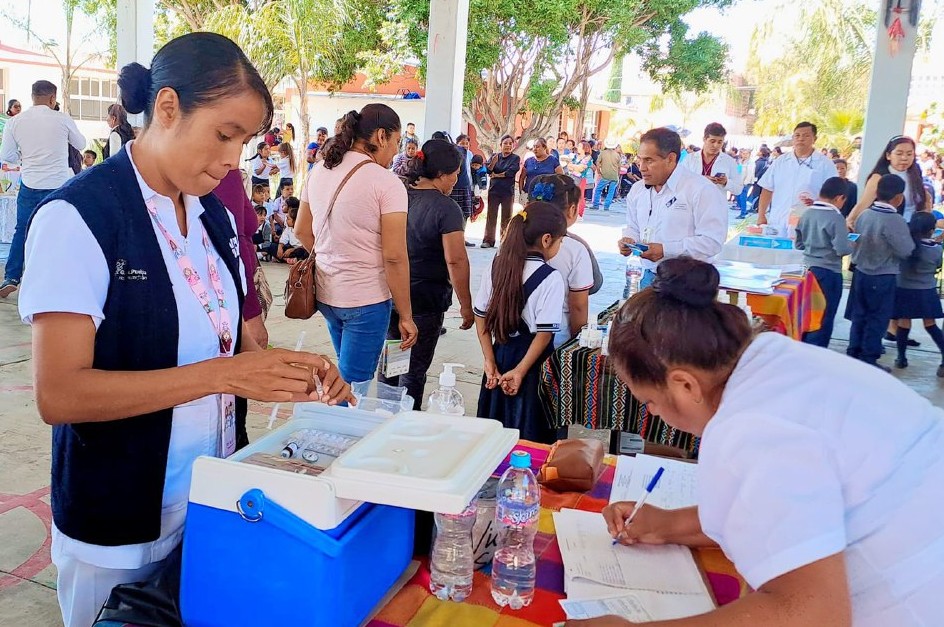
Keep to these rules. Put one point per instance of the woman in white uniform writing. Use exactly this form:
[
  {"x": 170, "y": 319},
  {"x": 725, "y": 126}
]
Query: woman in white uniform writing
[
  {"x": 134, "y": 289},
  {"x": 818, "y": 476}
]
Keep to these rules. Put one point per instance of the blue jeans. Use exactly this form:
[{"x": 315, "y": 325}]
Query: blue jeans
[
  {"x": 611, "y": 187},
  {"x": 26, "y": 202},
  {"x": 831, "y": 284},
  {"x": 873, "y": 302},
  {"x": 742, "y": 200},
  {"x": 358, "y": 335}
]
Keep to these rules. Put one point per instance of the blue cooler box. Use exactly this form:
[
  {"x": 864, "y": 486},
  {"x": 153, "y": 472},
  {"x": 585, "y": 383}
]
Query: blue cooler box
[{"x": 264, "y": 546}]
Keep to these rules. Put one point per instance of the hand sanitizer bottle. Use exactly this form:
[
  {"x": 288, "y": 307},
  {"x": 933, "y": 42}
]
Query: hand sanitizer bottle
[{"x": 447, "y": 400}]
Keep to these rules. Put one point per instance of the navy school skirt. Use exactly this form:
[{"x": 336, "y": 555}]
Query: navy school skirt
[
  {"x": 524, "y": 410},
  {"x": 915, "y": 304}
]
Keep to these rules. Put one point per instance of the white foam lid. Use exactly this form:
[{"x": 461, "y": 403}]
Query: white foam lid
[
  {"x": 422, "y": 461},
  {"x": 413, "y": 460}
]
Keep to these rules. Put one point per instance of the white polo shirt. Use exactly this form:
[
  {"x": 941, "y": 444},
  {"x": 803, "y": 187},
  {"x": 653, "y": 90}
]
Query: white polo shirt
[
  {"x": 788, "y": 177},
  {"x": 811, "y": 454},
  {"x": 66, "y": 271},
  {"x": 688, "y": 216},
  {"x": 542, "y": 311},
  {"x": 38, "y": 140},
  {"x": 573, "y": 263},
  {"x": 724, "y": 164}
]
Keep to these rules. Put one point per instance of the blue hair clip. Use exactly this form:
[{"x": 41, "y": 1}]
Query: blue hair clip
[{"x": 543, "y": 191}]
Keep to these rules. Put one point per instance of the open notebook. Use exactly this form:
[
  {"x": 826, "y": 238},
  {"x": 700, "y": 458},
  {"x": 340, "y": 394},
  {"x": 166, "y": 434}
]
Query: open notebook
[
  {"x": 664, "y": 581},
  {"x": 676, "y": 487}
]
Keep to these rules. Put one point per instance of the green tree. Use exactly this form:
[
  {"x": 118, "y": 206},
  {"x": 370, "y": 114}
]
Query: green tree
[
  {"x": 303, "y": 40},
  {"x": 70, "y": 53},
  {"x": 533, "y": 56},
  {"x": 825, "y": 66}
]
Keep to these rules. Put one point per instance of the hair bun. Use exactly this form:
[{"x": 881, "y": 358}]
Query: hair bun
[
  {"x": 687, "y": 280},
  {"x": 134, "y": 81}
]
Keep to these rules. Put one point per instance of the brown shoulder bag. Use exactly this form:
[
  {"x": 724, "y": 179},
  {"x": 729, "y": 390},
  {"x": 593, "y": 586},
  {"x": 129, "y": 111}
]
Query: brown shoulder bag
[{"x": 300, "y": 285}]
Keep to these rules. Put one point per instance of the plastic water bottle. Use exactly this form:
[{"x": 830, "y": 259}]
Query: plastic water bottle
[
  {"x": 447, "y": 400},
  {"x": 453, "y": 560},
  {"x": 633, "y": 276},
  {"x": 519, "y": 502}
]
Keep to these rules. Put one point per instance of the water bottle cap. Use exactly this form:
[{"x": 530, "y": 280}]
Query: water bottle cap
[{"x": 521, "y": 459}]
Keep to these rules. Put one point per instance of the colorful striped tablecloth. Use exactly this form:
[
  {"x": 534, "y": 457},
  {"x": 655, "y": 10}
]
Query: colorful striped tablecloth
[
  {"x": 578, "y": 388},
  {"x": 796, "y": 306},
  {"x": 414, "y": 606}
]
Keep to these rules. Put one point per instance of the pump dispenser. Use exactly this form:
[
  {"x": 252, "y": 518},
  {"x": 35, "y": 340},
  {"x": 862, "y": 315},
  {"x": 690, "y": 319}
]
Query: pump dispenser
[{"x": 447, "y": 400}]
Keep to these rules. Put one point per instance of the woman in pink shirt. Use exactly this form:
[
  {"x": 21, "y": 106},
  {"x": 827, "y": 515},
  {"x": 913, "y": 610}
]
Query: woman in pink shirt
[{"x": 361, "y": 246}]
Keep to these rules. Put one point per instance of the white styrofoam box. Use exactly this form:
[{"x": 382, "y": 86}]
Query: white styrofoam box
[
  {"x": 460, "y": 452},
  {"x": 423, "y": 461}
]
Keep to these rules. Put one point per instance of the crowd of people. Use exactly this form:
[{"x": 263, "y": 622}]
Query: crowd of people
[{"x": 142, "y": 274}]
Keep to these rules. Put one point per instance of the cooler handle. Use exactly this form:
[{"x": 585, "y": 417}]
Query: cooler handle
[{"x": 253, "y": 506}]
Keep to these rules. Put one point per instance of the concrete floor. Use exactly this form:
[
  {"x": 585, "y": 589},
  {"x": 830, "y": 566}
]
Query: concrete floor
[{"x": 27, "y": 578}]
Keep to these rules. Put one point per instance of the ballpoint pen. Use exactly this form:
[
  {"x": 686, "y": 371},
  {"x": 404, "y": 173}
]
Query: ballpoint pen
[{"x": 649, "y": 488}]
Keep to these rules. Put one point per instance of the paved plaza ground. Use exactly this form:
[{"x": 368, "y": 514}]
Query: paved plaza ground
[{"x": 27, "y": 579}]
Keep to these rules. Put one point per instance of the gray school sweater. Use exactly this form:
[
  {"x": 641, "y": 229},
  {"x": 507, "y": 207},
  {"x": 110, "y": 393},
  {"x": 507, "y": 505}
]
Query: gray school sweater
[
  {"x": 884, "y": 241},
  {"x": 823, "y": 237},
  {"x": 918, "y": 270}
]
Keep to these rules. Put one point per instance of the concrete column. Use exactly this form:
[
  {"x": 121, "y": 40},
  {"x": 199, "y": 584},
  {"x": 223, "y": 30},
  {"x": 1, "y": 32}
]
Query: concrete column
[
  {"x": 445, "y": 66},
  {"x": 888, "y": 91},
  {"x": 135, "y": 32}
]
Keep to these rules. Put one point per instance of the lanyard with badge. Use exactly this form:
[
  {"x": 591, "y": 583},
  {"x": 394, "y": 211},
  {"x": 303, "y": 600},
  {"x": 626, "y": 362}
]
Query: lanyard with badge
[
  {"x": 650, "y": 230},
  {"x": 218, "y": 315}
]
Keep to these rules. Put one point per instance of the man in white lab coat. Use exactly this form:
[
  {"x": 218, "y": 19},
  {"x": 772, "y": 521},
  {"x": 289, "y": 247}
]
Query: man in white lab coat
[
  {"x": 793, "y": 180},
  {"x": 675, "y": 212},
  {"x": 714, "y": 163}
]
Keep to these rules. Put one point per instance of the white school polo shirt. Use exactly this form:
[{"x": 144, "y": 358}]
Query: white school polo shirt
[
  {"x": 542, "y": 311},
  {"x": 66, "y": 271},
  {"x": 573, "y": 263},
  {"x": 788, "y": 177},
  {"x": 724, "y": 164},
  {"x": 811, "y": 454},
  {"x": 688, "y": 216}
]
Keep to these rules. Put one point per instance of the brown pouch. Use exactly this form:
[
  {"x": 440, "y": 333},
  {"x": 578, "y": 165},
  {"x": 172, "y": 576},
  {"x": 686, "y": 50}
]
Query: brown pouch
[{"x": 572, "y": 466}]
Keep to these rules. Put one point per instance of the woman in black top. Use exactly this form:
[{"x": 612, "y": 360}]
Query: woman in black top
[
  {"x": 439, "y": 263},
  {"x": 503, "y": 169}
]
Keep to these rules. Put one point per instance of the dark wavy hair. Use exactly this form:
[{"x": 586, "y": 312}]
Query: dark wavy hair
[
  {"x": 915, "y": 179},
  {"x": 678, "y": 322},
  {"x": 522, "y": 234},
  {"x": 359, "y": 125},
  {"x": 202, "y": 68},
  {"x": 439, "y": 158}
]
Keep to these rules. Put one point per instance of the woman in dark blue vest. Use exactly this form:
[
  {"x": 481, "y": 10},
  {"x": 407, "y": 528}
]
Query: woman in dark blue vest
[{"x": 134, "y": 289}]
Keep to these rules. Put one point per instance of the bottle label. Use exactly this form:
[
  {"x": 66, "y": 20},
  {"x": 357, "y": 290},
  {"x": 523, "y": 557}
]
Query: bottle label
[{"x": 518, "y": 515}]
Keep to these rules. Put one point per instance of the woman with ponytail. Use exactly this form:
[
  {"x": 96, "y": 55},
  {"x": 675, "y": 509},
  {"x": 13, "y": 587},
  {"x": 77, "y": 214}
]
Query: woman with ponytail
[
  {"x": 831, "y": 516},
  {"x": 142, "y": 361},
  {"x": 353, "y": 216},
  {"x": 439, "y": 264},
  {"x": 121, "y": 132},
  {"x": 518, "y": 311}
]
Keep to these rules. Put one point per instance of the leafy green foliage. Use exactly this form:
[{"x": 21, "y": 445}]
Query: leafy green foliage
[
  {"x": 307, "y": 41},
  {"x": 701, "y": 57},
  {"x": 826, "y": 67},
  {"x": 536, "y": 55}
]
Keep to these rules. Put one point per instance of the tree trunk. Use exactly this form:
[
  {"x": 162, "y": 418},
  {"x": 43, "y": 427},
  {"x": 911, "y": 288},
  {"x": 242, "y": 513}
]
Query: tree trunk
[
  {"x": 582, "y": 112},
  {"x": 301, "y": 82},
  {"x": 64, "y": 98}
]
